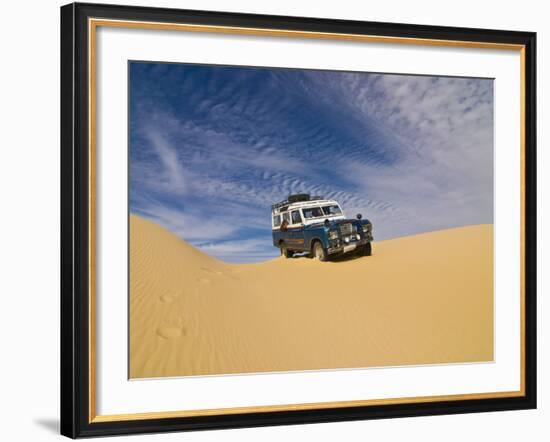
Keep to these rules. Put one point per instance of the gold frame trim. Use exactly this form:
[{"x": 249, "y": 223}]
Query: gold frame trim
[{"x": 93, "y": 24}]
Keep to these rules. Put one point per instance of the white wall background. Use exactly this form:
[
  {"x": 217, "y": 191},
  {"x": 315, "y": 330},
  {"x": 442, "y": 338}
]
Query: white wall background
[{"x": 29, "y": 221}]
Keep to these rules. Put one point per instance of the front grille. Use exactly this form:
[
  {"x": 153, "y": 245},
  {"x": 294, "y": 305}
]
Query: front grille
[{"x": 345, "y": 229}]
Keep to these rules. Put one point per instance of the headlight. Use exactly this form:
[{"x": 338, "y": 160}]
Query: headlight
[
  {"x": 367, "y": 227},
  {"x": 333, "y": 234}
]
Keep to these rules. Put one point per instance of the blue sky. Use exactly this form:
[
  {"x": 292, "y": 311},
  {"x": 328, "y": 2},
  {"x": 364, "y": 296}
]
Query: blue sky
[{"x": 211, "y": 148}]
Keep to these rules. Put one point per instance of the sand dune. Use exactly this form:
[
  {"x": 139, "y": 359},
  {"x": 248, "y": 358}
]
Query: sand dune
[{"x": 421, "y": 299}]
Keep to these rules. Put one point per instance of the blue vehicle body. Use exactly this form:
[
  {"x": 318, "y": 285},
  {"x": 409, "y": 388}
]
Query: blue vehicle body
[
  {"x": 301, "y": 239},
  {"x": 336, "y": 234}
]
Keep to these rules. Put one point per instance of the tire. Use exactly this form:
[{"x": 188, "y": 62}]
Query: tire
[
  {"x": 366, "y": 250},
  {"x": 318, "y": 252},
  {"x": 285, "y": 252}
]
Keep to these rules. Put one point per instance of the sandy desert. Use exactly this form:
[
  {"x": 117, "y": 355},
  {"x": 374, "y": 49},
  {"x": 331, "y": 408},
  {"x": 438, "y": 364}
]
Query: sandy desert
[{"x": 423, "y": 299}]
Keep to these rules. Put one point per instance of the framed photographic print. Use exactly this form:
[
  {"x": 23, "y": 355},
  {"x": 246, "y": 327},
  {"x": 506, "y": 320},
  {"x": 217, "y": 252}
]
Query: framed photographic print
[{"x": 274, "y": 220}]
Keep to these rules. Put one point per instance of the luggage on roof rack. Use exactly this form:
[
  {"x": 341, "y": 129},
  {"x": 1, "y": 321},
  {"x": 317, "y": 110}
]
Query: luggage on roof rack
[
  {"x": 295, "y": 198},
  {"x": 298, "y": 197}
]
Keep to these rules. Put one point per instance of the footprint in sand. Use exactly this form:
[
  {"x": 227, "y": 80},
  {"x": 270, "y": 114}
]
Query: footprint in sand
[
  {"x": 167, "y": 298},
  {"x": 170, "y": 331}
]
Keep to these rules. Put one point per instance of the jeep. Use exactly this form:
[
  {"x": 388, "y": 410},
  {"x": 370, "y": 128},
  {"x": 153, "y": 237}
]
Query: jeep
[{"x": 318, "y": 227}]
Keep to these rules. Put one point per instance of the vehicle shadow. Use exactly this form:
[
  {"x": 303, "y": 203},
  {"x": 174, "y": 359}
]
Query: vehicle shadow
[
  {"x": 337, "y": 259},
  {"x": 347, "y": 257}
]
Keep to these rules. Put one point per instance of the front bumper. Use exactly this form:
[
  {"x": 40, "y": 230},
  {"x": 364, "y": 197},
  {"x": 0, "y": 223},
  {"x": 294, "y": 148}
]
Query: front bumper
[{"x": 342, "y": 247}]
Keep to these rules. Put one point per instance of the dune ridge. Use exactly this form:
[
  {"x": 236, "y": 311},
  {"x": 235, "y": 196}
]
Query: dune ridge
[{"x": 422, "y": 299}]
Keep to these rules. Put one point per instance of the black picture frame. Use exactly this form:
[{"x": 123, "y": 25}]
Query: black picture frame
[{"x": 75, "y": 221}]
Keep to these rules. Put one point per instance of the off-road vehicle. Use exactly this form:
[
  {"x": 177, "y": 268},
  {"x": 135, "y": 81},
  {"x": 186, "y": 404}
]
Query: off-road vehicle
[{"x": 319, "y": 227}]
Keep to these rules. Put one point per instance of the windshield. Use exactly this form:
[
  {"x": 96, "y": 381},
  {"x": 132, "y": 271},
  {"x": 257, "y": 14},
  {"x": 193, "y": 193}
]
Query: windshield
[
  {"x": 312, "y": 212},
  {"x": 332, "y": 210}
]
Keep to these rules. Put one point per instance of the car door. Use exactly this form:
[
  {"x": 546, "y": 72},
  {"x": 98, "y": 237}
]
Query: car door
[{"x": 297, "y": 230}]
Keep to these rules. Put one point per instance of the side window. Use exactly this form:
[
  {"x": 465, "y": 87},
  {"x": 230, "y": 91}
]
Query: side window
[
  {"x": 286, "y": 217},
  {"x": 296, "y": 218},
  {"x": 276, "y": 220}
]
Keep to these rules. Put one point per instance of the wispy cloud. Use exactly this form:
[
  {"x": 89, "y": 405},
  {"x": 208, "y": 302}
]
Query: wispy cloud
[
  {"x": 170, "y": 175},
  {"x": 213, "y": 147},
  {"x": 191, "y": 226},
  {"x": 239, "y": 250}
]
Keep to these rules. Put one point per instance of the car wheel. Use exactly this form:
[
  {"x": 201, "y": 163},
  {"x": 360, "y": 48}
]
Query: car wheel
[
  {"x": 366, "y": 250},
  {"x": 285, "y": 252},
  {"x": 319, "y": 252}
]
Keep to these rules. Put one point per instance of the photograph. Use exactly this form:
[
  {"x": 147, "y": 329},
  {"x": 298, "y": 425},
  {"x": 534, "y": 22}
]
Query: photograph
[{"x": 284, "y": 220}]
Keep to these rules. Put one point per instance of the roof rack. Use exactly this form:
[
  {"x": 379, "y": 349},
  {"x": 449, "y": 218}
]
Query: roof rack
[{"x": 295, "y": 198}]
